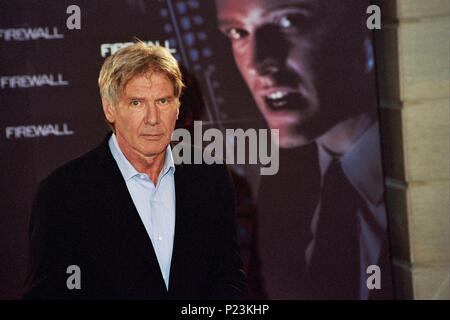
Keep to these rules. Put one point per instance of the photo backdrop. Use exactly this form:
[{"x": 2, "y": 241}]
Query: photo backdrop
[{"x": 50, "y": 113}]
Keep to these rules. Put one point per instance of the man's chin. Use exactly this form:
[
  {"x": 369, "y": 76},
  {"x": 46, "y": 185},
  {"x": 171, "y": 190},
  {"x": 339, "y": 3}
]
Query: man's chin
[{"x": 153, "y": 151}]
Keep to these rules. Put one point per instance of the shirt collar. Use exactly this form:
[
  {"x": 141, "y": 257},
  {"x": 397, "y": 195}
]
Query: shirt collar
[
  {"x": 127, "y": 169},
  {"x": 361, "y": 165}
]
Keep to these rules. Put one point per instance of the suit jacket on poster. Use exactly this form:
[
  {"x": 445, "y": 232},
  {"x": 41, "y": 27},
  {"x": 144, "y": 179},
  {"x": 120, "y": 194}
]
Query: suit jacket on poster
[
  {"x": 83, "y": 215},
  {"x": 286, "y": 203}
]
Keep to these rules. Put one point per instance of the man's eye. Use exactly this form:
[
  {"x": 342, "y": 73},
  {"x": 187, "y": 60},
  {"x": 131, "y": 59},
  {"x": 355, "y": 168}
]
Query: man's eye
[
  {"x": 136, "y": 103},
  {"x": 163, "y": 101},
  {"x": 285, "y": 22},
  {"x": 292, "y": 21},
  {"x": 236, "y": 34}
]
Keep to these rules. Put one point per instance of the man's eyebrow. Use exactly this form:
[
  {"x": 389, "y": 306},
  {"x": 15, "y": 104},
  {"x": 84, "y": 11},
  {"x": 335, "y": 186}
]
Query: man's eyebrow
[
  {"x": 132, "y": 98},
  {"x": 169, "y": 96},
  {"x": 304, "y": 5}
]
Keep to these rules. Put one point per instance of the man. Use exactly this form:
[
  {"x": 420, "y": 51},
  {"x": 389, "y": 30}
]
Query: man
[
  {"x": 309, "y": 66},
  {"x": 134, "y": 224}
]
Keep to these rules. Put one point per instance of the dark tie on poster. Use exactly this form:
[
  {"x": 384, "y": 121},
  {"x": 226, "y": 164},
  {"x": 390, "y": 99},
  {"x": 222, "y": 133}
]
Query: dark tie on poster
[{"x": 334, "y": 271}]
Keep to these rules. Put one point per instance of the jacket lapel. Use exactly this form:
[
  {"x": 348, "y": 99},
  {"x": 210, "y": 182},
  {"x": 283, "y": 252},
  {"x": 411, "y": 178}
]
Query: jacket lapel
[
  {"x": 120, "y": 203},
  {"x": 181, "y": 224}
]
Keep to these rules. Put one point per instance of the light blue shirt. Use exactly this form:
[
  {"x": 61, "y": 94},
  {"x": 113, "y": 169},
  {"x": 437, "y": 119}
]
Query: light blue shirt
[{"x": 155, "y": 204}]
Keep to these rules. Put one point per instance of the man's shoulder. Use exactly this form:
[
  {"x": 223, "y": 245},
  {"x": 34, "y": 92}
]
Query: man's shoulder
[{"x": 81, "y": 167}]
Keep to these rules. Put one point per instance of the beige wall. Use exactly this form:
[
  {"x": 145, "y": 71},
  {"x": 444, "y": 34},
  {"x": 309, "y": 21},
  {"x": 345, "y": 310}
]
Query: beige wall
[{"x": 413, "y": 77}]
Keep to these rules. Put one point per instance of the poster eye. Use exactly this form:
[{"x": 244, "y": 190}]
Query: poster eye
[
  {"x": 293, "y": 21},
  {"x": 236, "y": 33},
  {"x": 285, "y": 22}
]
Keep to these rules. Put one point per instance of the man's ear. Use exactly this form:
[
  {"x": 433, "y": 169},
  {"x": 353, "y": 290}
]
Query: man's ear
[{"x": 108, "y": 110}]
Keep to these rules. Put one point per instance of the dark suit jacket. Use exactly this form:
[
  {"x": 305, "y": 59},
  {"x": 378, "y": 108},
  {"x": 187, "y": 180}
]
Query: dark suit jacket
[{"x": 83, "y": 215}]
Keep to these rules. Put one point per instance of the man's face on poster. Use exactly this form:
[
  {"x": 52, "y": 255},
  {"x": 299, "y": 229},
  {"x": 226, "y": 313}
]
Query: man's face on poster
[{"x": 301, "y": 59}]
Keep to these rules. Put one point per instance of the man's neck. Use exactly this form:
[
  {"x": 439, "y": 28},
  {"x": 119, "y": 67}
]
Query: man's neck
[
  {"x": 341, "y": 137},
  {"x": 151, "y": 165}
]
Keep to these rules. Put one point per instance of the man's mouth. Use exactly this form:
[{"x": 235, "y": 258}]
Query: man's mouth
[
  {"x": 152, "y": 136},
  {"x": 278, "y": 100}
]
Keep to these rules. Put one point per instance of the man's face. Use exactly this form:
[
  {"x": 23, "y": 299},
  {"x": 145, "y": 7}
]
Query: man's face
[
  {"x": 145, "y": 114},
  {"x": 297, "y": 61}
]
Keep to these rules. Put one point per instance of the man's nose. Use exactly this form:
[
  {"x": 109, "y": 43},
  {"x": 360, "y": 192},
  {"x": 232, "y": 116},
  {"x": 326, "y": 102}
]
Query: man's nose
[
  {"x": 269, "y": 51},
  {"x": 152, "y": 115}
]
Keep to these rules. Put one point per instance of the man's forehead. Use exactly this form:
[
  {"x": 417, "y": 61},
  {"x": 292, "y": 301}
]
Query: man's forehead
[
  {"x": 242, "y": 6},
  {"x": 255, "y": 11},
  {"x": 149, "y": 83}
]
